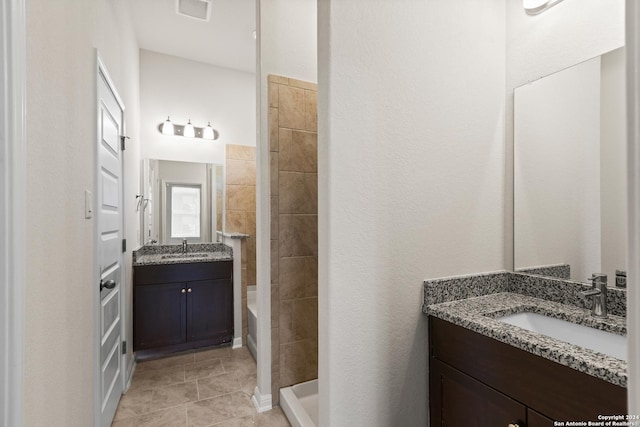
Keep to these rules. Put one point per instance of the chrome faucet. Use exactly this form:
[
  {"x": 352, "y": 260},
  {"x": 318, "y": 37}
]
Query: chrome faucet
[
  {"x": 184, "y": 247},
  {"x": 599, "y": 293}
]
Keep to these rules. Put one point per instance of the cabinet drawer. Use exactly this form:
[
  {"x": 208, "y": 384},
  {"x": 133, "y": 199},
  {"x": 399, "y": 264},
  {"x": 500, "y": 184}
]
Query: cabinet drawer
[
  {"x": 555, "y": 390},
  {"x": 170, "y": 273}
]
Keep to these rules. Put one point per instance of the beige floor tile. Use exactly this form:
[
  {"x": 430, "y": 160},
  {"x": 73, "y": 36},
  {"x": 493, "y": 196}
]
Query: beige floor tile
[
  {"x": 205, "y": 368},
  {"x": 239, "y": 365},
  {"x": 195, "y": 389},
  {"x": 145, "y": 380},
  {"x": 237, "y": 422},
  {"x": 173, "y": 417},
  {"x": 218, "y": 385},
  {"x": 208, "y": 412},
  {"x": 123, "y": 423},
  {"x": 134, "y": 403},
  {"x": 173, "y": 395},
  {"x": 248, "y": 382},
  {"x": 167, "y": 362},
  {"x": 273, "y": 418},
  {"x": 215, "y": 353},
  {"x": 241, "y": 353}
]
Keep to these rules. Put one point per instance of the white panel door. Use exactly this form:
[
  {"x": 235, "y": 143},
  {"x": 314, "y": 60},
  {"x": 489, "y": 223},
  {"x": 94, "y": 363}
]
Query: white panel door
[{"x": 109, "y": 250}]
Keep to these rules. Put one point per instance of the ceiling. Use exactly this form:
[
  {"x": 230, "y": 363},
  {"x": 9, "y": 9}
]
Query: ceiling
[{"x": 226, "y": 40}]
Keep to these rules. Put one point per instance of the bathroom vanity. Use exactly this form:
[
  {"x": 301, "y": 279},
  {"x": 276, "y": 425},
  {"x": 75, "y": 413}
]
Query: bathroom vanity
[
  {"x": 484, "y": 368},
  {"x": 473, "y": 374},
  {"x": 182, "y": 300}
]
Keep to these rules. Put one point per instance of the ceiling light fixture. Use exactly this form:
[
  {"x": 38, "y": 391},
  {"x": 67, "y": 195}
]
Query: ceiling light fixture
[
  {"x": 188, "y": 130},
  {"x": 534, "y": 7}
]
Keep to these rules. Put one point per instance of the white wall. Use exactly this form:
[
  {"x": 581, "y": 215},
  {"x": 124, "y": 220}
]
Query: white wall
[
  {"x": 557, "y": 171},
  {"x": 565, "y": 35},
  {"x": 411, "y": 176},
  {"x": 288, "y": 39},
  {"x": 184, "y": 89},
  {"x": 61, "y": 123},
  {"x": 287, "y": 47},
  {"x": 613, "y": 152}
]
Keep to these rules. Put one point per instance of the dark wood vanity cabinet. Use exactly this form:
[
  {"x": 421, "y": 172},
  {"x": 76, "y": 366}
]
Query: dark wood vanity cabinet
[
  {"x": 182, "y": 306},
  {"x": 209, "y": 310},
  {"x": 463, "y": 400},
  {"x": 478, "y": 381},
  {"x": 159, "y": 315}
]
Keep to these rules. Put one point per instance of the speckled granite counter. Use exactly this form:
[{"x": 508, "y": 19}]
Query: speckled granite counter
[
  {"x": 478, "y": 310},
  {"x": 172, "y": 254}
]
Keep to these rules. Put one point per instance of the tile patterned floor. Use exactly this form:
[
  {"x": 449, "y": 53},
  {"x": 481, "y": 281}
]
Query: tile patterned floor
[{"x": 211, "y": 388}]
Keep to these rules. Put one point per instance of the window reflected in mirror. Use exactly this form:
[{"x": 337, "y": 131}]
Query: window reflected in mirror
[{"x": 184, "y": 216}]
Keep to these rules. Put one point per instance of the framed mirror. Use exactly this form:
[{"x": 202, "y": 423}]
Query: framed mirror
[
  {"x": 570, "y": 191},
  {"x": 182, "y": 200}
]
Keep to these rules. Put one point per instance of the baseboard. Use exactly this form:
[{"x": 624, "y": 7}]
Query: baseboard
[
  {"x": 262, "y": 403},
  {"x": 130, "y": 370},
  {"x": 237, "y": 343}
]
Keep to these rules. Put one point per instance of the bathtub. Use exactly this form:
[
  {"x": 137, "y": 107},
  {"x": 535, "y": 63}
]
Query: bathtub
[
  {"x": 300, "y": 404},
  {"x": 252, "y": 320}
]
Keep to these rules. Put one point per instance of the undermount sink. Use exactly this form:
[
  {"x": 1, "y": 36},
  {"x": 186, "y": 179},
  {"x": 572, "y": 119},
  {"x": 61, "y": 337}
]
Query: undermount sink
[
  {"x": 182, "y": 256},
  {"x": 603, "y": 342}
]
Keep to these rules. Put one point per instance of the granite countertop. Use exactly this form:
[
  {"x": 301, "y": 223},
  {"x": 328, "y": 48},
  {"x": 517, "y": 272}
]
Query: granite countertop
[
  {"x": 172, "y": 254},
  {"x": 478, "y": 314}
]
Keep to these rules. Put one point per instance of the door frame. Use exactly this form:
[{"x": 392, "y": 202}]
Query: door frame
[
  {"x": 632, "y": 13},
  {"x": 12, "y": 208},
  {"x": 101, "y": 69}
]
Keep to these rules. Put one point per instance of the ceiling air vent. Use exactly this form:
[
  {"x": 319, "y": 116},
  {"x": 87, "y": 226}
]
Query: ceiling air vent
[{"x": 198, "y": 9}]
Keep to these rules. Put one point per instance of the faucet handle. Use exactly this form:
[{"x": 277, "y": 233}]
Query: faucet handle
[
  {"x": 598, "y": 280},
  {"x": 597, "y": 277}
]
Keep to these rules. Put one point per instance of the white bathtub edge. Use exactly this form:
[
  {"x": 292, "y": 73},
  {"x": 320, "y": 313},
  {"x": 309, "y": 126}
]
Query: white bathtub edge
[
  {"x": 292, "y": 409},
  {"x": 251, "y": 345}
]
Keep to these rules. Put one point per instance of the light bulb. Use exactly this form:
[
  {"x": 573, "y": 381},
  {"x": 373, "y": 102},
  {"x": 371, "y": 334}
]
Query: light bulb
[
  {"x": 167, "y": 127},
  {"x": 207, "y": 133},
  {"x": 189, "y": 131}
]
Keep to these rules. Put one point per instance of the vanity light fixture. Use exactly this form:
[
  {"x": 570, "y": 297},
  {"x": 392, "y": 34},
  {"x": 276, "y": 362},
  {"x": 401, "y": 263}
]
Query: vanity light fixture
[
  {"x": 167, "y": 127},
  {"x": 208, "y": 133},
  {"x": 188, "y": 130},
  {"x": 534, "y": 7}
]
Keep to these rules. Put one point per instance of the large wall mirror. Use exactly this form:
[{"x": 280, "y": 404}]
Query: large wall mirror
[
  {"x": 570, "y": 191},
  {"x": 182, "y": 200}
]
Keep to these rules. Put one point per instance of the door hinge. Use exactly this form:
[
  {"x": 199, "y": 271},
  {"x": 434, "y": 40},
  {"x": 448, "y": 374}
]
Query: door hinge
[
  {"x": 124, "y": 245},
  {"x": 124, "y": 347},
  {"x": 123, "y": 138}
]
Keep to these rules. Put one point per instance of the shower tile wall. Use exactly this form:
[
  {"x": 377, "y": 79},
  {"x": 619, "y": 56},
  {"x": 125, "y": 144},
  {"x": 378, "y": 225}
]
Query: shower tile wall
[
  {"x": 240, "y": 184},
  {"x": 293, "y": 148}
]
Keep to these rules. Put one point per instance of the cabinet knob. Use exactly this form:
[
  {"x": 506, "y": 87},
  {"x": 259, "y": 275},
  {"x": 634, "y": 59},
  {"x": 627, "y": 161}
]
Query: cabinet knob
[
  {"x": 189, "y": 290},
  {"x": 183, "y": 290}
]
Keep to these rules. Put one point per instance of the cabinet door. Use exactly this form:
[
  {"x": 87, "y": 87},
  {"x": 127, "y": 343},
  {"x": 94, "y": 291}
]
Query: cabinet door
[
  {"x": 210, "y": 310},
  {"x": 159, "y": 315},
  {"x": 463, "y": 401},
  {"x": 534, "y": 419}
]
